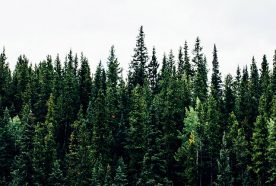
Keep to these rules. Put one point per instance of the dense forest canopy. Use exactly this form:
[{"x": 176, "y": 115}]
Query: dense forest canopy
[{"x": 166, "y": 124}]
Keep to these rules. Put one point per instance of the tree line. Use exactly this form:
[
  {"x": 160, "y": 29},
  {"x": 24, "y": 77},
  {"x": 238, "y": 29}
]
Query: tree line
[{"x": 165, "y": 124}]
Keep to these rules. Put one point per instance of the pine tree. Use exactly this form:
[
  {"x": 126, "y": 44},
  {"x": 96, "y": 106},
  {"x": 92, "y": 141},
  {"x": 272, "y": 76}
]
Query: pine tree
[
  {"x": 137, "y": 72},
  {"x": 21, "y": 78},
  {"x": 180, "y": 67},
  {"x": 229, "y": 97},
  {"x": 113, "y": 99},
  {"x": 188, "y": 153},
  {"x": 188, "y": 69},
  {"x": 200, "y": 79},
  {"x": 216, "y": 91},
  {"x": 108, "y": 179},
  {"x": 152, "y": 72},
  {"x": 273, "y": 77},
  {"x": 7, "y": 148},
  {"x": 271, "y": 150},
  {"x": 98, "y": 173},
  {"x": 214, "y": 130},
  {"x": 224, "y": 171},
  {"x": 85, "y": 82},
  {"x": 120, "y": 178},
  {"x": 154, "y": 170},
  {"x": 22, "y": 173},
  {"x": 259, "y": 143},
  {"x": 5, "y": 83},
  {"x": 138, "y": 119},
  {"x": 254, "y": 89}
]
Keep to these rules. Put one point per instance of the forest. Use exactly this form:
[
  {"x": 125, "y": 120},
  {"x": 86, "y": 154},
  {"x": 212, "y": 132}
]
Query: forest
[{"x": 164, "y": 123}]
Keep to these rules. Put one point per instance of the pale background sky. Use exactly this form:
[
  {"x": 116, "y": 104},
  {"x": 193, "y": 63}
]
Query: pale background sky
[{"x": 240, "y": 28}]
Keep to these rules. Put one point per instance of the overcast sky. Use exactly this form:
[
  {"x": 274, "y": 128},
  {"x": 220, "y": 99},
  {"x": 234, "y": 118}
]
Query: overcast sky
[{"x": 239, "y": 28}]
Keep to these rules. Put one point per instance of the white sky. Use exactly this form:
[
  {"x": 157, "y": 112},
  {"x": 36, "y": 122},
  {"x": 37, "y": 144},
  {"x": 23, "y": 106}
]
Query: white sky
[{"x": 240, "y": 28}]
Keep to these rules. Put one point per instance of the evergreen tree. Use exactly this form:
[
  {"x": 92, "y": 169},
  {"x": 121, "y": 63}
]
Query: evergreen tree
[
  {"x": 200, "y": 79},
  {"x": 120, "y": 178},
  {"x": 85, "y": 82},
  {"x": 224, "y": 171},
  {"x": 22, "y": 173},
  {"x": 152, "y": 72},
  {"x": 188, "y": 69},
  {"x": 108, "y": 179},
  {"x": 78, "y": 155},
  {"x": 5, "y": 83},
  {"x": 254, "y": 88},
  {"x": 273, "y": 80},
  {"x": 138, "y": 119},
  {"x": 7, "y": 148},
  {"x": 21, "y": 78},
  {"x": 137, "y": 72},
  {"x": 188, "y": 153},
  {"x": 229, "y": 97},
  {"x": 180, "y": 67},
  {"x": 259, "y": 143},
  {"x": 216, "y": 91},
  {"x": 154, "y": 170},
  {"x": 271, "y": 151}
]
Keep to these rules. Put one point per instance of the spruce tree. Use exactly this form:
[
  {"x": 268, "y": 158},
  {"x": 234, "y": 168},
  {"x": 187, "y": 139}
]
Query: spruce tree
[
  {"x": 137, "y": 71},
  {"x": 23, "y": 170},
  {"x": 200, "y": 79},
  {"x": 78, "y": 155},
  {"x": 273, "y": 77},
  {"x": 187, "y": 154},
  {"x": 7, "y": 147},
  {"x": 85, "y": 82},
  {"x": 138, "y": 119},
  {"x": 152, "y": 72},
  {"x": 224, "y": 171},
  {"x": 187, "y": 65},
  {"x": 229, "y": 97},
  {"x": 180, "y": 67},
  {"x": 216, "y": 91},
  {"x": 5, "y": 83},
  {"x": 259, "y": 145},
  {"x": 254, "y": 89},
  {"x": 271, "y": 150},
  {"x": 120, "y": 178}
]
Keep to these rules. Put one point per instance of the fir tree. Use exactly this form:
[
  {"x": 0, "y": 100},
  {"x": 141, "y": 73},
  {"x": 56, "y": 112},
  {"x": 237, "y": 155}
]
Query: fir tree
[
  {"x": 138, "y": 119},
  {"x": 271, "y": 150},
  {"x": 200, "y": 79},
  {"x": 224, "y": 171},
  {"x": 152, "y": 72},
  {"x": 216, "y": 91},
  {"x": 259, "y": 143},
  {"x": 85, "y": 82},
  {"x": 120, "y": 178},
  {"x": 137, "y": 71}
]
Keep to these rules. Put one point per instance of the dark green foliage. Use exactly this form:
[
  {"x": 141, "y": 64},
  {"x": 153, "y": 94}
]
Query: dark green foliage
[
  {"x": 187, "y": 154},
  {"x": 5, "y": 83},
  {"x": 259, "y": 143},
  {"x": 70, "y": 128},
  {"x": 216, "y": 91},
  {"x": 138, "y": 120},
  {"x": 137, "y": 72},
  {"x": 85, "y": 82},
  {"x": 200, "y": 79},
  {"x": 120, "y": 178},
  {"x": 271, "y": 150},
  {"x": 23, "y": 169},
  {"x": 152, "y": 72},
  {"x": 229, "y": 95},
  {"x": 187, "y": 65},
  {"x": 7, "y": 147},
  {"x": 224, "y": 171}
]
